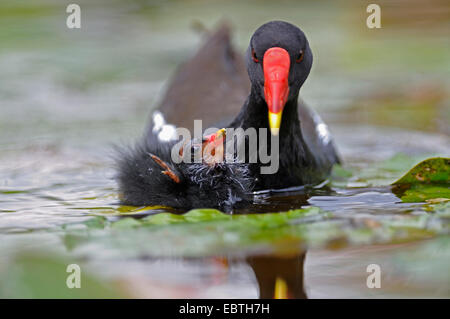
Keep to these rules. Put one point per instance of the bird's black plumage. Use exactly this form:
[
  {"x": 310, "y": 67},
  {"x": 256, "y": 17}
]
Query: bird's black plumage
[{"x": 304, "y": 158}]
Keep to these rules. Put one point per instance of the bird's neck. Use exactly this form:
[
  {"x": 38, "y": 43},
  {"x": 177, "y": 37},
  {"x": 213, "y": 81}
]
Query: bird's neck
[
  {"x": 255, "y": 114},
  {"x": 293, "y": 151}
]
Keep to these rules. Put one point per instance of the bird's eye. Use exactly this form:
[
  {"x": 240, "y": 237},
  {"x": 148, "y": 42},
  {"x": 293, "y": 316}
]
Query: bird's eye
[
  {"x": 254, "y": 57},
  {"x": 299, "y": 57}
]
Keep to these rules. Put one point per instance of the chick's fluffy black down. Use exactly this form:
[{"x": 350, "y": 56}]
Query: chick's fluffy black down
[{"x": 141, "y": 181}]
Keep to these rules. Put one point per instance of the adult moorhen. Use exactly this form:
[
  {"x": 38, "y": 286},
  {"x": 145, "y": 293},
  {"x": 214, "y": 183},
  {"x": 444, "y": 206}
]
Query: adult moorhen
[{"x": 278, "y": 62}]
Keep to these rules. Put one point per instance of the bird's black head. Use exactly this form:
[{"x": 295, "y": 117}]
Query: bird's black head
[{"x": 278, "y": 62}]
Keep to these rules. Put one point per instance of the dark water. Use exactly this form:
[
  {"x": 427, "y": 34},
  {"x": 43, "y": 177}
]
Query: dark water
[{"x": 67, "y": 95}]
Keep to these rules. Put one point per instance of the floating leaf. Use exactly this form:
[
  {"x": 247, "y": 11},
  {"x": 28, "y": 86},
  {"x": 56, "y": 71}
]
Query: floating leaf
[
  {"x": 433, "y": 170},
  {"x": 425, "y": 193},
  {"x": 164, "y": 219},
  {"x": 427, "y": 181},
  {"x": 127, "y": 222},
  {"x": 340, "y": 172},
  {"x": 376, "y": 174}
]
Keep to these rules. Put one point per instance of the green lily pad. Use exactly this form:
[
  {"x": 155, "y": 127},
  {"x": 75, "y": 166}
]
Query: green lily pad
[
  {"x": 422, "y": 193},
  {"x": 433, "y": 170},
  {"x": 428, "y": 180},
  {"x": 374, "y": 175},
  {"x": 206, "y": 232},
  {"x": 441, "y": 209}
]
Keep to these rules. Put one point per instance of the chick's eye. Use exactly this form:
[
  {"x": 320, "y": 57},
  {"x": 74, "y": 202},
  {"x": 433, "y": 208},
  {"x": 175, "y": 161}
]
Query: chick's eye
[
  {"x": 299, "y": 57},
  {"x": 255, "y": 58}
]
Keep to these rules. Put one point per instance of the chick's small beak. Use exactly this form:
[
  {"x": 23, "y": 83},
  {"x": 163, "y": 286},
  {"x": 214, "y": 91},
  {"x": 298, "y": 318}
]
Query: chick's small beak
[
  {"x": 276, "y": 64},
  {"x": 213, "y": 147}
]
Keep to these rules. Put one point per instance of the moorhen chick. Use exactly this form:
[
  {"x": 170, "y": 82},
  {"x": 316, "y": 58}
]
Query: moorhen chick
[{"x": 148, "y": 175}]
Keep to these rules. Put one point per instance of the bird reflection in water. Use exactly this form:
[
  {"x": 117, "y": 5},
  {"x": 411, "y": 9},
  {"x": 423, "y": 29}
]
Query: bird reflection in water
[{"x": 279, "y": 277}]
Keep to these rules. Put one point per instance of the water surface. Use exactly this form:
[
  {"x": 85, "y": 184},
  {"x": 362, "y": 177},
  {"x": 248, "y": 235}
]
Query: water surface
[{"x": 66, "y": 96}]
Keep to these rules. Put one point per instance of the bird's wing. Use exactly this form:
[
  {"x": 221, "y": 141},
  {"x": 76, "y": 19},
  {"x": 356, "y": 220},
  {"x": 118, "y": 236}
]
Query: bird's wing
[
  {"x": 317, "y": 136},
  {"x": 211, "y": 86}
]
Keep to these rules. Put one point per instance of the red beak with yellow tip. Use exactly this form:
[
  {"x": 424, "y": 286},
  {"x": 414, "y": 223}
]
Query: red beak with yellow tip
[{"x": 276, "y": 64}]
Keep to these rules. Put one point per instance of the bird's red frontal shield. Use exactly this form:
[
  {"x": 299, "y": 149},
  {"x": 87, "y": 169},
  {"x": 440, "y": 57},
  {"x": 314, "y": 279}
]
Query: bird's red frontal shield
[{"x": 276, "y": 64}]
